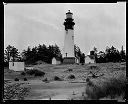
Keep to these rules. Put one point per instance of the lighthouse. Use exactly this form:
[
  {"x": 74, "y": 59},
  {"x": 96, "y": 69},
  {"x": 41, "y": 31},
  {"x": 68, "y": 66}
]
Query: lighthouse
[{"x": 69, "y": 55}]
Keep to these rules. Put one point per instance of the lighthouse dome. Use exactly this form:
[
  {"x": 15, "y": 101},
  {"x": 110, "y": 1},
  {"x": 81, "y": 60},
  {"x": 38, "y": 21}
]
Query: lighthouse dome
[{"x": 69, "y": 14}]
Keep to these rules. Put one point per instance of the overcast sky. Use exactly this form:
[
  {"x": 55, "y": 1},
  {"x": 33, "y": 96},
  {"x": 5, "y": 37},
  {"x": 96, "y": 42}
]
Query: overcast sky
[{"x": 98, "y": 25}]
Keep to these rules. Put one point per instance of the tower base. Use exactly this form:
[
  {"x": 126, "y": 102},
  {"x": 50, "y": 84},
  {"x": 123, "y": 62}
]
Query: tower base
[{"x": 68, "y": 60}]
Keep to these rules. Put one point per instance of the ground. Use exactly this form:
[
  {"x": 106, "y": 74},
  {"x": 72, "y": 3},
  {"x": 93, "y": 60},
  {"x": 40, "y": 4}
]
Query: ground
[{"x": 67, "y": 89}]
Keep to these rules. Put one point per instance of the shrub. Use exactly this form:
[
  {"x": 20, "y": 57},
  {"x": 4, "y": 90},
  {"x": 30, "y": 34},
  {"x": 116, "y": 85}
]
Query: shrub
[
  {"x": 16, "y": 79},
  {"x": 23, "y": 73},
  {"x": 45, "y": 79},
  {"x": 25, "y": 79},
  {"x": 39, "y": 73},
  {"x": 82, "y": 64},
  {"x": 70, "y": 70},
  {"x": 35, "y": 72},
  {"x": 71, "y": 77},
  {"x": 30, "y": 72},
  {"x": 113, "y": 86},
  {"x": 56, "y": 78}
]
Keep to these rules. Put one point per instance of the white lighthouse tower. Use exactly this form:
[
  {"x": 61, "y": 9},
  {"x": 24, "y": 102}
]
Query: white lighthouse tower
[{"x": 69, "y": 55}]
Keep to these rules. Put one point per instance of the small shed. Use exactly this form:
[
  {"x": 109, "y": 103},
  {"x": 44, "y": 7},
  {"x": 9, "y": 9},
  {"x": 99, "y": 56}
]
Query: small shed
[
  {"x": 16, "y": 66},
  {"x": 89, "y": 59},
  {"x": 56, "y": 61}
]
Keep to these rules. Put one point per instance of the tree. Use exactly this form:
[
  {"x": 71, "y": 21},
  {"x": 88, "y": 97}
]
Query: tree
[
  {"x": 42, "y": 52},
  {"x": 7, "y": 53},
  {"x": 83, "y": 58},
  {"x": 95, "y": 50},
  {"x": 122, "y": 54},
  {"x": 11, "y": 51},
  {"x": 79, "y": 54},
  {"x": 100, "y": 58},
  {"x": 112, "y": 55},
  {"x": 26, "y": 55},
  {"x": 14, "y": 54}
]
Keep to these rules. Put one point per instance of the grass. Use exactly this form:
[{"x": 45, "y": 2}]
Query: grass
[
  {"x": 111, "y": 84},
  {"x": 106, "y": 87}
]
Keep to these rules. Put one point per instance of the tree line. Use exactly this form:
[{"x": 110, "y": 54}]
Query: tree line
[
  {"x": 46, "y": 53},
  {"x": 31, "y": 55},
  {"x": 111, "y": 54}
]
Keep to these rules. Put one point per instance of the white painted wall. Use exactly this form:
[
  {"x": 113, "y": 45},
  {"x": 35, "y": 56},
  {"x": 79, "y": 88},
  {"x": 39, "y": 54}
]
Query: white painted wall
[
  {"x": 69, "y": 43},
  {"x": 88, "y": 60},
  {"x": 18, "y": 66},
  {"x": 54, "y": 61}
]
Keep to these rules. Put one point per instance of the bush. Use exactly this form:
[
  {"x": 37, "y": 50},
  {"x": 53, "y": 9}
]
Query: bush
[
  {"x": 16, "y": 79},
  {"x": 30, "y": 72},
  {"x": 23, "y": 73},
  {"x": 56, "y": 78},
  {"x": 25, "y": 79},
  {"x": 113, "y": 86},
  {"x": 35, "y": 72},
  {"x": 71, "y": 77},
  {"x": 39, "y": 73},
  {"x": 82, "y": 64},
  {"x": 70, "y": 70},
  {"x": 45, "y": 80}
]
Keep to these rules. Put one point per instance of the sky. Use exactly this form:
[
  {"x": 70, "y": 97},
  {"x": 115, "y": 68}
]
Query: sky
[{"x": 98, "y": 25}]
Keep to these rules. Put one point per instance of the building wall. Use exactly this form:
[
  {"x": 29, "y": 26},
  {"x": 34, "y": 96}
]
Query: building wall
[
  {"x": 69, "y": 60},
  {"x": 18, "y": 66},
  {"x": 58, "y": 62},
  {"x": 88, "y": 60},
  {"x": 69, "y": 43},
  {"x": 54, "y": 61}
]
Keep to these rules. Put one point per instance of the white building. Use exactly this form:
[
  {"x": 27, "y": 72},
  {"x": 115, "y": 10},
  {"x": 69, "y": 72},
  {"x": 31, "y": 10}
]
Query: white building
[
  {"x": 89, "y": 59},
  {"x": 16, "y": 66},
  {"x": 55, "y": 61}
]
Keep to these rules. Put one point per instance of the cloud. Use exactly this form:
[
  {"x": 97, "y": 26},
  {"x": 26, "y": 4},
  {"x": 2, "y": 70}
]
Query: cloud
[{"x": 96, "y": 24}]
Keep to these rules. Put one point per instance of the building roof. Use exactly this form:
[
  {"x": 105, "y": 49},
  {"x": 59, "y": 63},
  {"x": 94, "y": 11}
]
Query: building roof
[{"x": 69, "y": 12}]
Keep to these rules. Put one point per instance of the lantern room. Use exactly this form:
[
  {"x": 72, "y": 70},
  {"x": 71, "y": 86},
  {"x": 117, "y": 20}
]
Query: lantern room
[{"x": 69, "y": 14}]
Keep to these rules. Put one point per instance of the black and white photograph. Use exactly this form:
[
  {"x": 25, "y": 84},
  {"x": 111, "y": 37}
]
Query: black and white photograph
[{"x": 65, "y": 51}]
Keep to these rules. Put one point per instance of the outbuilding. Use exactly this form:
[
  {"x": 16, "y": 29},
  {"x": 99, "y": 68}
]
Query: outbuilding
[
  {"x": 89, "y": 59},
  {"x": 16, "y": 66},
  {"x": 56, "y": 61}
]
